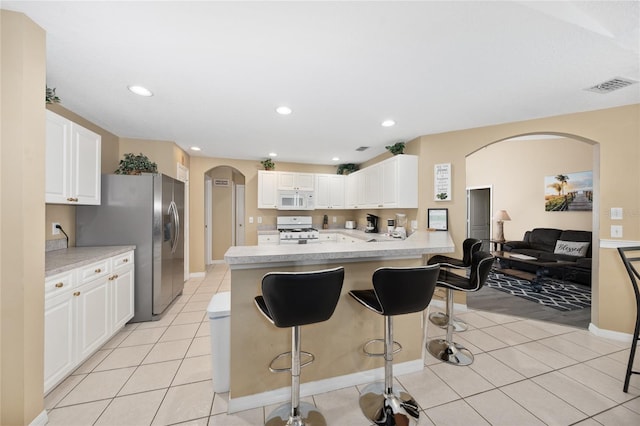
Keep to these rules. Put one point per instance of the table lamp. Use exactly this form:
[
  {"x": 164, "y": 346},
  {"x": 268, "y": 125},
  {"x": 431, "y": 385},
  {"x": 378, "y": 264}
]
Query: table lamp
[{"x": 500, "y": 217}]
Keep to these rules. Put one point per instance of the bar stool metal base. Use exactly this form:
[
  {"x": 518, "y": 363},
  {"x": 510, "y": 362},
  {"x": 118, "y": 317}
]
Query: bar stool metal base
[
  {"x": 442, "y": 320},
  {"x": 453, "y": 353},
  {"x": 308, "y": 416},
  {"x": 396, "y": 409}
]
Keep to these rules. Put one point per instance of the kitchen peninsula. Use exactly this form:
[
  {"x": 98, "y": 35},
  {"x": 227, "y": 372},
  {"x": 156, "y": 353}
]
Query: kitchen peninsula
[{"x": 337, "y": 343}]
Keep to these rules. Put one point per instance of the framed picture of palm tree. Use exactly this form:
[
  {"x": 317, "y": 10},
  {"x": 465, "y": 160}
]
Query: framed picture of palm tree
[{"x": 569, "y": 192}]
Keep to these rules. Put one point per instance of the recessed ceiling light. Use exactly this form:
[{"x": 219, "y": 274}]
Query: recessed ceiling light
[
  {"x": 388, "y": 123},
  {"x": 195, "y": 148},
  {"x": 139, "y": 90},
  {"x": 283, "y": 110},
  {"x": 335, "y": 159},
  {"x": 273, "y": 154}
]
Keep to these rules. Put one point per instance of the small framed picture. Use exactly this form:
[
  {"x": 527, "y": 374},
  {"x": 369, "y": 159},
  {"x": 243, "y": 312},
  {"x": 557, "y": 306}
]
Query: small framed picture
[{"x": 438, "y": 219}]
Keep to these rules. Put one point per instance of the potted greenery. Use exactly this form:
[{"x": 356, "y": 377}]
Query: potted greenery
[
  {"x": 345, "y": 169},
  {"x": 396, "y": 148},
  {"x": 268, "y": 164},
  {"x": 135, "y": 164},
  {"x": 50, "y": 96}
]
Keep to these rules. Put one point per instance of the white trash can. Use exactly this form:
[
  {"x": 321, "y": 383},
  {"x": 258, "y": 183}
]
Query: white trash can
[{"x": 219, "y": 311}]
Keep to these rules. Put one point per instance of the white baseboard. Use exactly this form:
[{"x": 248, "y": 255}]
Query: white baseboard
[
  {"x": 218, "y": 262},
  {"x": 41, "y": 420},
  {"x": 609, "y": 334},
  {"x": 320, "y": 386},
  {"x": 197, "y": 275}
]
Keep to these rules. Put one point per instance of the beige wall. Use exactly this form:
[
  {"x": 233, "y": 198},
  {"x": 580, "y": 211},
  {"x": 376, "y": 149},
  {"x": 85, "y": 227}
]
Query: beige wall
[
  {"x": 22, "y": 151},
  {"x": 516, "y": 170},
  {"x": 616, "y": 132}
]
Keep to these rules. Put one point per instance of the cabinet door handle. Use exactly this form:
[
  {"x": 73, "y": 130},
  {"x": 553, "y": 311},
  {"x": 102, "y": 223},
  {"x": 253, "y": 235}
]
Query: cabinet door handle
[
  {"x": 98, "y": 270},
  {"x": 59, "y": 285},
  {"x": 77, "y": 293},
  {"x": 114, "y": 277},
  {"x": 71, "y": 199},
  {"x": 125, "y": 260}
]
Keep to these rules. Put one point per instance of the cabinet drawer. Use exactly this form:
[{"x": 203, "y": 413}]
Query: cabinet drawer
[
  {"x": 93, "y": 271},
  {"x": 59, "y": 284},
  {"x": 122, "y": 261},
  {"x": 268, "y": 239}
]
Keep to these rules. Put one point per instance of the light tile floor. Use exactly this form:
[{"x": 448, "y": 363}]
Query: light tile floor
[{"x": 525, "y": 372}]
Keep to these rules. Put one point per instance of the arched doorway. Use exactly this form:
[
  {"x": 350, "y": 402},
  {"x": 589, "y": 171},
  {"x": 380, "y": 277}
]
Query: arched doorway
[
  {"x": 224, "y": 211},
  {"x": 514, "y": 169}
]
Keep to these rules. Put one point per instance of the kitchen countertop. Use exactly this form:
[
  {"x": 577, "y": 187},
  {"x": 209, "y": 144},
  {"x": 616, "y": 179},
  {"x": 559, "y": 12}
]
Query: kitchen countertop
[
  {"x": 417, "y": 244},
  {"x": 58, "y": 261}
]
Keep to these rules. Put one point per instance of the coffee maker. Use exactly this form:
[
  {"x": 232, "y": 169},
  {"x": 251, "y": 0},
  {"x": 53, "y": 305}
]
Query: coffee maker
[{"x": 372, "y": 224}]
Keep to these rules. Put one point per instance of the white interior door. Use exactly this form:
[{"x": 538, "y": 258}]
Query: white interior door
[{"x": 239, "y": 214}]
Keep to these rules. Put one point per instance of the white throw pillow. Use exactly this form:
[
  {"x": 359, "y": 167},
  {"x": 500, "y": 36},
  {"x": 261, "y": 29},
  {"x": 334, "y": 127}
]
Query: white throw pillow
[{"x": 571, "y": 248}]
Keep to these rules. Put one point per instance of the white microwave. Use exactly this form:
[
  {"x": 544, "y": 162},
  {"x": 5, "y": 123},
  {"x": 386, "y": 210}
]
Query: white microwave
[{"x": 295, "y": 200}]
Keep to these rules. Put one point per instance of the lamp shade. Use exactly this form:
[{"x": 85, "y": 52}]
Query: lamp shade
[{"x": 501, "y": 215}]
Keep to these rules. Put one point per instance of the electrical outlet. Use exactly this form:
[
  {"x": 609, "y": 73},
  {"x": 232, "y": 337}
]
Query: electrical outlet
[
  {"x": 259, "y": 219},
  {"x": 335, "y": 219},
  {"x": 54, "y": 229},
  {"x": 616, "y": 231},
  {"x": 250, "y": 219}
]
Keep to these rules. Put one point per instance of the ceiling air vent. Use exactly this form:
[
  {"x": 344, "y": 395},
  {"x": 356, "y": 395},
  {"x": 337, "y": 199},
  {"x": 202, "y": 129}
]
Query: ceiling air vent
[
  {"x": 362, "y": 148},
  {"x": 611, "y": 85}
]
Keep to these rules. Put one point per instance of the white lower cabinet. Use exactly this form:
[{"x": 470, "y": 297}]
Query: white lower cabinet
[
  {"x": 84, "y": 308},
  {"x": 93, "y": 317},
  {"x": 59, "y": 329}
]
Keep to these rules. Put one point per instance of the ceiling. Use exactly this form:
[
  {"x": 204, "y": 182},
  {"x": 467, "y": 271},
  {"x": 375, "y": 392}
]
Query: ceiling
[{"x": 218, "y": 70}]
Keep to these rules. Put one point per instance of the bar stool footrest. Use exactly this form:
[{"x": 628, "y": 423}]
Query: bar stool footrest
[
  {"x": 379, "y": 354},
  {"x": 441, "y": 320},
  {"x": 310, "y": 359}
]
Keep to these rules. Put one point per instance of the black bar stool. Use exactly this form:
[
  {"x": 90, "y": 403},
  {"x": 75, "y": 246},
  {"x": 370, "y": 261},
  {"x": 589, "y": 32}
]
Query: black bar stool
[
  {"x": 630, "y": 263},
  {"x": 396, "y": 291},
  {"x": 293, "y": 299},
  {"x": 469, "y": 247},
  {"x": 446, "y": 349}
]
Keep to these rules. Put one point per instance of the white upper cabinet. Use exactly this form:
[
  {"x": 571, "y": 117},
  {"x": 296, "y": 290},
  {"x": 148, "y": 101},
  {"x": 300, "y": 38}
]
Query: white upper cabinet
[
  {"x": 330, "y": 191},
  {"x": 392, "y": 183},
  {"x": 400, "y": 182},
  {"x": 73, "y": 162},
  {"x": 373, "y": 186},
  {"x": 290, "y": 181},
  {"x": 267, "y": 189}
]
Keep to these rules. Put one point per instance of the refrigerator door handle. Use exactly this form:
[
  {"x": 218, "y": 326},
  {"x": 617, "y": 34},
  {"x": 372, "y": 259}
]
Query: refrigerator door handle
[{"x": 173, "y": 208}]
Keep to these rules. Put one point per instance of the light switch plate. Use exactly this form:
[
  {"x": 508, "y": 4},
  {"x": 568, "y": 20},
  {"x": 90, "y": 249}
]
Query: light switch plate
[
  {"x": 616, "y": 231},
  {"x": 250, "y": 219},
  {"x": 616, "y": 213},
  {"x": 259, "y": 219}
]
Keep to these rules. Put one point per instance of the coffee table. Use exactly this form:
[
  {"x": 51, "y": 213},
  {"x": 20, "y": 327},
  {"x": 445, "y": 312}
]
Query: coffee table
[{"x": 543, "y": 268}]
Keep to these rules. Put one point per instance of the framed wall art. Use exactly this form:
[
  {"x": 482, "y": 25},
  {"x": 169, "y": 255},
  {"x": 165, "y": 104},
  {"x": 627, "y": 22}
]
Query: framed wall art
[
  {"x": 442, "y": 182},
  {"x": 438, "y": 219},
  {"x": 569, "y": 192}
]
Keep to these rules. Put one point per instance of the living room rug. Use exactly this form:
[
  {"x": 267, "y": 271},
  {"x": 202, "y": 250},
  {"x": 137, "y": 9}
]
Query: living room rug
[{"x": 557, "y": 294}]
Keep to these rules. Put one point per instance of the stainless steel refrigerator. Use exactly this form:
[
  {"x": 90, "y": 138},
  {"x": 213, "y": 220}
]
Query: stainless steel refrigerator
[{"x": 146, "y": 211}]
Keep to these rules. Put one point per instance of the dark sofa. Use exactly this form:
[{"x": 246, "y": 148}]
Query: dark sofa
[{"x": 541, "y": 244}]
